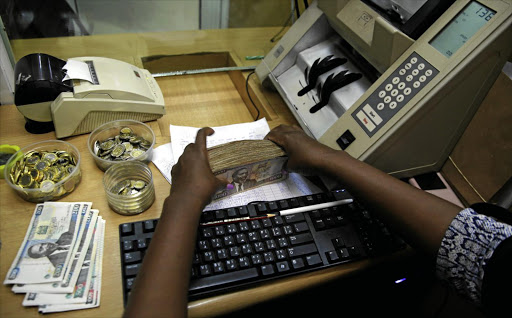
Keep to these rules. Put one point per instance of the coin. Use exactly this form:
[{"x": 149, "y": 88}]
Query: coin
[
  {"x": 138, "y": 184},
  {"x": 126, "y": 131},
  {"x": 117, "y": 151},
  {"x": 127, "y": 145},
  {"x": 44, "y": 170}
]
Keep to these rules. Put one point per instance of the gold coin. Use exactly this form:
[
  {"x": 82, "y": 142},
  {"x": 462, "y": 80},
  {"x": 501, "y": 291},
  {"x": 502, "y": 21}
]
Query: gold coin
[
  {"x": 127, "y": 146},
  {"x": 117, "y": 151},
  {"x": 25, "y": 180},
  {"x": 137, "y": 153},
  {"x": 126, "y": 131},
  {"x": 106, "y": 145},
  {"x": 138, "y": 184},
  {"x": 42, "y": 165}
]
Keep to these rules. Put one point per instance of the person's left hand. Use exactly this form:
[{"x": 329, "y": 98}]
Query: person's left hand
[{"x": 192, "y": 174}]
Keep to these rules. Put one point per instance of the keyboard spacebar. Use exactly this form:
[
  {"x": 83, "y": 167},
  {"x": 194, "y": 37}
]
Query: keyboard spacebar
[{"x": 222, "y": 279}]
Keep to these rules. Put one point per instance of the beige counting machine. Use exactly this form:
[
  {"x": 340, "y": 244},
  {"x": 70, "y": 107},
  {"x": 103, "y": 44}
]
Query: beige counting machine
[
  {"x": 75, "y": 96},
  {"x": 423, "y": 73}
]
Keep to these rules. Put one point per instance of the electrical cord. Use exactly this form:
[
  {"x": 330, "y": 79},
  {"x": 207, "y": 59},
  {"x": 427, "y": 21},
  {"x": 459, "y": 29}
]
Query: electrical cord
[{"x": 249, "y": 95}]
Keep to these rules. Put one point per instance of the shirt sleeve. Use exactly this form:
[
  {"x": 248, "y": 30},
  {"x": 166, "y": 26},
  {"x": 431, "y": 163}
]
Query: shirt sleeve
[{"x": 467, "y": 246}]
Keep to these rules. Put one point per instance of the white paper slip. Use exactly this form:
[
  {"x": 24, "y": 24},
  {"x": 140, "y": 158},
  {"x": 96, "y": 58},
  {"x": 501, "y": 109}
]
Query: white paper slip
[
  {"x": 77, "y": 70},
  {"x": 181, "y": 136},
  {"x": 164, "y": 160}
]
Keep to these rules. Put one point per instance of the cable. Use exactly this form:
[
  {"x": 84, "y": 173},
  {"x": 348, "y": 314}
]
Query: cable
[
  {"x": 306, "y": 5},
  {"x": 249, "y": 95},
  {"x": 297, "y": 10}
]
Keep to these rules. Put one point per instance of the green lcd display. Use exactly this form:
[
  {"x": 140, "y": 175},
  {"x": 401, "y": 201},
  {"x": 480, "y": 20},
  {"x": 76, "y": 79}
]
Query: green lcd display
[{"x": 471, "y": 19}]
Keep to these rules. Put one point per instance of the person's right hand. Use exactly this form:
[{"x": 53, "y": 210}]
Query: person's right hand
[{"x": 305, "y": 155}]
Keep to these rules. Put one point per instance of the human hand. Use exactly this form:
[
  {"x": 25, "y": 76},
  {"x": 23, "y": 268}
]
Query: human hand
[
  {"x": 192, "y": 173},
  {"x": 305, "y": 155}
]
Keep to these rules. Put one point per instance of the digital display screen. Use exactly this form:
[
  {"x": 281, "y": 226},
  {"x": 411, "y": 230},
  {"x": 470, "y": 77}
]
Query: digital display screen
[{"x": 471, "y": 19}]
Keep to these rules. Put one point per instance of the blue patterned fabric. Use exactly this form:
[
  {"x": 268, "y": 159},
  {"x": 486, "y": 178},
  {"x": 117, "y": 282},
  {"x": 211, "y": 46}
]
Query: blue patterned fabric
[{"x": 465, "y": 249}]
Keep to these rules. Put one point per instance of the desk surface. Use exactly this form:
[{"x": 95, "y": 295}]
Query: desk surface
[{"x": 191, "y": 100}]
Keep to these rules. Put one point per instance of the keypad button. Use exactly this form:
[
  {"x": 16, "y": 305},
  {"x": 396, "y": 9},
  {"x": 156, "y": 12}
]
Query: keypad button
[
  {"x": 400, "y": 98},
  {"x": 407, "y": 91},
  {"x": 421, "y": 66},
  {"x": 428, "y": 72},
  {"x": 394, "y": 92},
  {"x": 389, "y": 87},
  {"x": 416, "y": 84},
  {"x": 382, "y": 94},
  {"x": 380, "y": 106},
  {"x": 387, "y": 99},
  {"x": 423, "y": 78},
  {"x": 401, "y": 85},
  {"x": 392, "y": 105}
]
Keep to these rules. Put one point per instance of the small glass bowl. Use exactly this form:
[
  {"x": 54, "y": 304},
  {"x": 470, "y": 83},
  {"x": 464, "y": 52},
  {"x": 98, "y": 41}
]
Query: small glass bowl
[
  {"x": 111, "y": 130},
  {"x": 129, "y": 187},
  {"x": 44, "y": 171}
]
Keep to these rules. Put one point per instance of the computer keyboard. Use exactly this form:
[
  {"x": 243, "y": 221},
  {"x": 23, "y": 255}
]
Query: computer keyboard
[{"x": 240, "y": 246}]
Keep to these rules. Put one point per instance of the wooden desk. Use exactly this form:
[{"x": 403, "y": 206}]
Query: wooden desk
[{"x": 192, "y": 100}]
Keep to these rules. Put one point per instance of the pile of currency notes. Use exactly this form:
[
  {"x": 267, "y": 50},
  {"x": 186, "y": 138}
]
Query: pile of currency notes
[{"x": 59, "y": 263}]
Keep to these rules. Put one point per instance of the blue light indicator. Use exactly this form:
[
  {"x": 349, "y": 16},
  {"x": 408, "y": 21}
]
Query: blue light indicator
[{"x": 401, "y": 280}]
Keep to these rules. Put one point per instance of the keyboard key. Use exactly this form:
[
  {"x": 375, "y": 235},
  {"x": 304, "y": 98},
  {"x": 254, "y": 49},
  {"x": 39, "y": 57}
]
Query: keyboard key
[
  {"x": 267, "y": 270},
  {"x": 132, "y": 270},
  {"x": 301, "y": 227},
  {"x": 298, "y": 263},
  {"x": 223, "y": 279},
  {"x": 292, "y": 218},
  {"x": 313, "y": 260},
  {"x": 283, "y": 267},
  {"x": 301, "y": 238},
  {"x": 302, "y": 250},
  {"x": 128, "y": 246},
  {"x": 127, "y": 229},
  {"x": 148, "y": 226},
  {"x": 132, "y": 257}
]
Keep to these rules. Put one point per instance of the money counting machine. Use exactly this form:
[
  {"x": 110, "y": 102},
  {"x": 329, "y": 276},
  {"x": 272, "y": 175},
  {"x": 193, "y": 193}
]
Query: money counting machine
[
  {"x": 393, "y": 83},
  {"x": 76, "y": 96}
]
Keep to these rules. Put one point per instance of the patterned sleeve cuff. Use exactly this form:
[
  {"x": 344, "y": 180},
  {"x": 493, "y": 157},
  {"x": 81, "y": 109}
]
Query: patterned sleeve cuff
[{"x": 468, "y": 244}]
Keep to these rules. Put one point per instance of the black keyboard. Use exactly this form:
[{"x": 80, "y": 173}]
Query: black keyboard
[{"x": 239, "y": 247}]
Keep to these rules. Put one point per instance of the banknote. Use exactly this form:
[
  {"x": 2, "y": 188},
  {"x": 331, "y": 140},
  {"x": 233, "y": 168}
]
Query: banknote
[
  {"x": 81, "y": 287},
  {"x": 47, "y": 247},
  {"x": 243, "y": 178},
  {"x": 83, "y": 239},
  {"x": 94, "y": 293}
]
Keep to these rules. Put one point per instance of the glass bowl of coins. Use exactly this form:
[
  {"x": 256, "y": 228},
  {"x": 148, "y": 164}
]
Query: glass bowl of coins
[
  {"x": 44, "y": 171},
  {"x": 120, "y": 141},
  {"x": 129, "y": 187}
]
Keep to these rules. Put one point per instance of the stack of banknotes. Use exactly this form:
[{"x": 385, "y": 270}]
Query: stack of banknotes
[
  {"x": 59, "y": 263},
  {"x": 246, "y": 164}
]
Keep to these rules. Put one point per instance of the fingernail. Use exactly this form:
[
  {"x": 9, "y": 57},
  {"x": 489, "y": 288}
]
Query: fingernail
[{"x": 230, "y": 186}]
